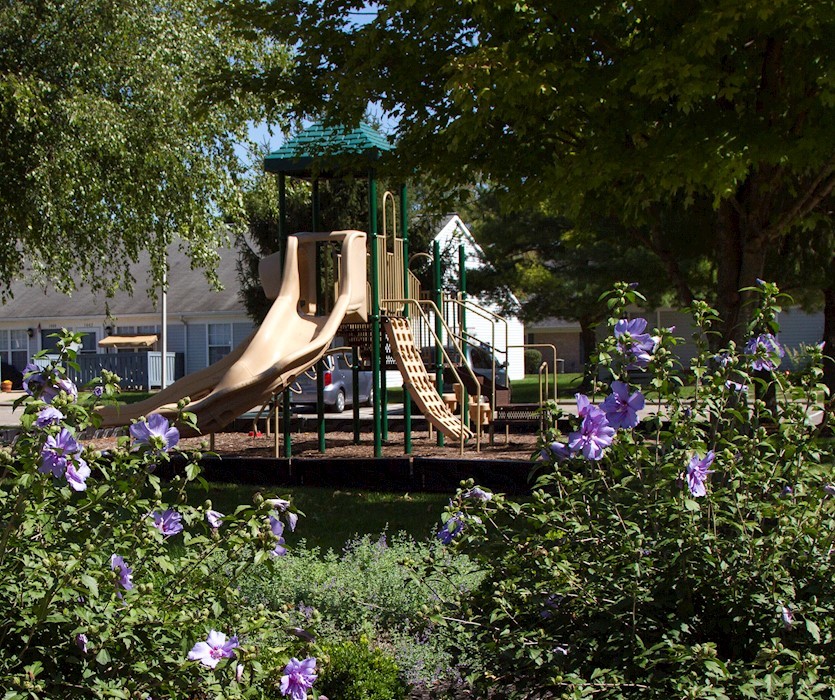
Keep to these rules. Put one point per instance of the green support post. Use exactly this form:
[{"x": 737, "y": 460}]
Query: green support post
[
  {"x": 355, "y": 378},
  {"x": 282, "y": 235},
  {"x": 320, "y": 365},
  {"x": 404, "y": 231},
  {"x": 439, "y": 328},
  {"x": 375, "y": 311}
]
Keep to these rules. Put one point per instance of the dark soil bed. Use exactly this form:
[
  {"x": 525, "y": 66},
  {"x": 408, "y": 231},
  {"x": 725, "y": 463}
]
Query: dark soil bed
[{"x": 340, "y": 445}]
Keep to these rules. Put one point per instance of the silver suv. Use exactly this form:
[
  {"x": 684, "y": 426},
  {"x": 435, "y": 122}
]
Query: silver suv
[{"x": 339, "y": 385}]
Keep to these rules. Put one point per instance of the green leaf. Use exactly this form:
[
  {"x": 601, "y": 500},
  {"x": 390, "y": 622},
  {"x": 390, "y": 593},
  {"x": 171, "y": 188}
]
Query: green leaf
[
  {"x": 91, "y": 584},
  {"x": 813, "y": 630}
]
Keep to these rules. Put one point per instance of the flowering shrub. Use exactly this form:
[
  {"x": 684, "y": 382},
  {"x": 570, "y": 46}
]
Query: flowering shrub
[
  {"x": 685, "y": 555},
  {"x": 111, "y": 583}
]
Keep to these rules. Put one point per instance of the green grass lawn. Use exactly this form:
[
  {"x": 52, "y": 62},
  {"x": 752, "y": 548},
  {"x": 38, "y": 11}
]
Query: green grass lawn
[
  {"x": 527, "y": 390},
  {"x": 332, "y": 518}
]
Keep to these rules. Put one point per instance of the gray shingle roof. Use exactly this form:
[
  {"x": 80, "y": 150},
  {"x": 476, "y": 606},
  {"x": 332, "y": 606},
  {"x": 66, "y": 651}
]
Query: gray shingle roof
[{"x": 188, "y": 293}]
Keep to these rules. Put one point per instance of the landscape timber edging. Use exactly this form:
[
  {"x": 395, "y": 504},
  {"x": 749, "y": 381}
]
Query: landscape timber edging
[{"x": 393, "y": 474}]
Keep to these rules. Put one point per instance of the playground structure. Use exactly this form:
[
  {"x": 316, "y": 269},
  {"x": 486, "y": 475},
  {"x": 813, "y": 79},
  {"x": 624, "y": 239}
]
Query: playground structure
[{"x": 378, "y": 308}]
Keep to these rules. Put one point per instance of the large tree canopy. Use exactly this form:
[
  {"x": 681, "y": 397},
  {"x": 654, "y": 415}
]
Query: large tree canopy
[
  {"x": 597, "y": 107},
  {"x": 119, "y": 120},
  {"x": 559, "y": 269}
]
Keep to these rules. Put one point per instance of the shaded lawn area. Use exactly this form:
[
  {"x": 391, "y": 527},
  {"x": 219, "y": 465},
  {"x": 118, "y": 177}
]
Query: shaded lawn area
[{"x": 332, "y": 518}]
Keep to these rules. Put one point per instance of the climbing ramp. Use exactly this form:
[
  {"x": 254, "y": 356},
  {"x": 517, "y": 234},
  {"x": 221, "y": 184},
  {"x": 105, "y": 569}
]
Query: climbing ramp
[{"x": 419, "y": 384}]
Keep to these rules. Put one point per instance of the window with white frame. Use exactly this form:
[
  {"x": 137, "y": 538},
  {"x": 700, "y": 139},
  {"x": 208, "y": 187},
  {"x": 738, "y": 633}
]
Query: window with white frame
[
  {"x": 220, "y": 341},
  {"x": 88, "y": 344},
  {"x": 14, "y": 347}
]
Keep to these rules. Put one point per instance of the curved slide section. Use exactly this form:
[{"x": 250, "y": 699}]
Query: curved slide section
[
  {"x": 418, "y": 382},
  {"x": 287, "y": 343}
]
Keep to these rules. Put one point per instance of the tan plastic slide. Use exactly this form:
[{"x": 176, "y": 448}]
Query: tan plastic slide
[
  {"x": 289, "y": 341},
  {"x": 419, "y": 384}
]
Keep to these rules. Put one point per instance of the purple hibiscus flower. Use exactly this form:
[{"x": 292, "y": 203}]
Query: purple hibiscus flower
[
  {"x": 557, "y": 450},
  {"x": 584, "y": 405},
  {"x": 633, "y": 342},
  {"x": 621, "y": 407},
  {"x": 81, "y": 642},
  {"x": 594, "y": 436},
  {"x": 787, "y": 617},
  {"x": 478, "y": 494},
  {"x": 277, "y": 528},
  {"x": 215, "y": 648},
  {"x": 298, "y": 678},
  {"x": 766, "y": 352},
  {"x": 48, "y": 416},
  {"x": 736, "y": 387},
  {"x": 49, "y": 392},
  {"x": 60, "y": 457},
  {"x": 33, "y": 379},
  {"x": 292, "y": 519},
  {"x": 168, "y": 522},
  {"x": 451, "y": 528},
  {"x": 77, "y": 473},
  {"x": 35, "y": 384},
  {"x": 155, "y": 432},
  {"x": 697, "y": 472},
  {"x": 282, "y": 505},
  {"x": 214, "y": 518},
  {"x": 123, "y": 571},
  {"x": 56, "y": 451}
]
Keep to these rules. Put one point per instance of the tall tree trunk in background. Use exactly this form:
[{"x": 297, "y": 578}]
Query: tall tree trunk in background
[
  {"x": 742, "y": 241},
  {"x": 588, "y": 342}
]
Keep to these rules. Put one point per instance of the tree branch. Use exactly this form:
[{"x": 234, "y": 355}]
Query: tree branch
[
  {"x": 683, "y": 291},
  {"x": 820, "y": 188}
]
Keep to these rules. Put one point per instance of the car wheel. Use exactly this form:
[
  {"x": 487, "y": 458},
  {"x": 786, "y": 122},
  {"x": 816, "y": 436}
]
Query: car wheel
[
  {"x": 339, "y": 404},
  {"x": 370, "y": 400}
]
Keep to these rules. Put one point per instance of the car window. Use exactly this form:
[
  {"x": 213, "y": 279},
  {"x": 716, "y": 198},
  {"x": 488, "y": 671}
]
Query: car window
[{"x": 481, "y": 359}]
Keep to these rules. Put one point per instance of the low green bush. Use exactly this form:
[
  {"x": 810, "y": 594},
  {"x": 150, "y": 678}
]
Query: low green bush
[
  {"x": 533, "y": 359},
  {"x": 356, "y": 671},
  {"x": 370, "y": 590}
]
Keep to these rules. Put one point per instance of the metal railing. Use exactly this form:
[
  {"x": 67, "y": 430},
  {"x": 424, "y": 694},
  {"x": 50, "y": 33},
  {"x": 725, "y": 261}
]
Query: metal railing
[
  {"x": 418, "y": 304},
  {"x": 138, "y": 371}
]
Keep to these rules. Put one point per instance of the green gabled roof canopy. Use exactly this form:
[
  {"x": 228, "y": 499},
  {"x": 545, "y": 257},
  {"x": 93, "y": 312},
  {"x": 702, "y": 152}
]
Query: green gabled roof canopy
[{"x": 325, "y": 148}]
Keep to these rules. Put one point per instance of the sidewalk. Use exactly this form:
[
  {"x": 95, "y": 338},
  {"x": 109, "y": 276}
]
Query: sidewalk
[
  {"x": 9, "y": 418},
  {"x": 307, "y": 416}
]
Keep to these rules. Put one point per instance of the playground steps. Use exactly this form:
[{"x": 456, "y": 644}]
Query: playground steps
[{"x": 418, "y": 383}]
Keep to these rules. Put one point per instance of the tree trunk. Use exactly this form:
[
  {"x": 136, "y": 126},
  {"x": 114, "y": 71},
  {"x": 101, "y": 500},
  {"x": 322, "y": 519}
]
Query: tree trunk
[
  {"x": 741, "y": 251},
  {"x": 588, "y": 342}
]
